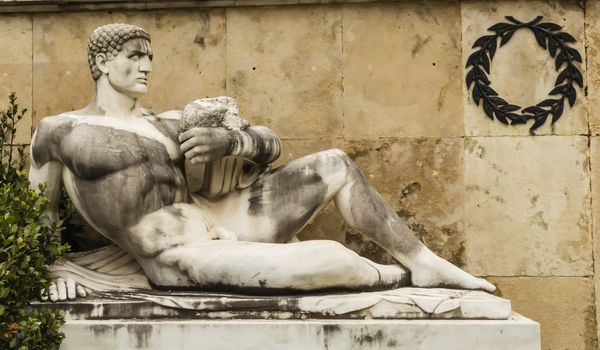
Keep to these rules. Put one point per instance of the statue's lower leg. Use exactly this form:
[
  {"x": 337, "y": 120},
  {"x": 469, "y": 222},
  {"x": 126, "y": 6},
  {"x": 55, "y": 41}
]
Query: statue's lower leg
[
  {"x": 235, "y": 265},
  {"x": 364, "y": 209}
]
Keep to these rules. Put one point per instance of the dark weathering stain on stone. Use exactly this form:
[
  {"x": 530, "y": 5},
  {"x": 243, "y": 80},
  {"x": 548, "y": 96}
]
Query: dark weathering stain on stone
[
  {"x": 264, "y": 291},
  {"x": 287, "y": 186},
  {"x": 410, "y": 189},
  {"x": 141, "y": 332},
  {"x": 369, "y": 338},
  {"x": 175, "y": 211},
  {"x": 199, "y": 39}
]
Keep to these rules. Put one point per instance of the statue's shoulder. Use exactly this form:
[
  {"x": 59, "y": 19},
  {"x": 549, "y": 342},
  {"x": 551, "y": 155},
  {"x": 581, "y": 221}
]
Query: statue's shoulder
[
  {"x": 168, "y": 122},
  {"x": 60, "y": 123},
  {"x": 48, "y": 135},
  {"x": 174, "y": 115}
]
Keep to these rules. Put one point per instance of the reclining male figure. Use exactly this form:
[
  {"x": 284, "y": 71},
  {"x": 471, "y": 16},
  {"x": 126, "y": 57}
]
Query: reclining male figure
[{"x": 123, "y": 168}]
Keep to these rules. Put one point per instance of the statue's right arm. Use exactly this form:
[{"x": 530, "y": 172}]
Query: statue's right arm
[{"x": 46, "y": 167}]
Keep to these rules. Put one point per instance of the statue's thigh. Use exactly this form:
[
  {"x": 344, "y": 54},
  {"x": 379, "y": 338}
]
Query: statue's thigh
[{"x": 279, "y": 204}]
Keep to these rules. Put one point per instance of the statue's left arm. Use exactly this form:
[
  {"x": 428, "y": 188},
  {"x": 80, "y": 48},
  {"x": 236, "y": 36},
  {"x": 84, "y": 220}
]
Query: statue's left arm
[{"x": 258, "y": 144}]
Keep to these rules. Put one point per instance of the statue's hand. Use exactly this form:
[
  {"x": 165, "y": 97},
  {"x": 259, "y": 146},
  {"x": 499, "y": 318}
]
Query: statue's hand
[
  {"x": 203, "y": 145},
  {"x": 62, "y": 289}
]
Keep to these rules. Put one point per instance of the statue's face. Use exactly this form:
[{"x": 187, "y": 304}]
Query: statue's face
[{"x": 128, "y": 71}]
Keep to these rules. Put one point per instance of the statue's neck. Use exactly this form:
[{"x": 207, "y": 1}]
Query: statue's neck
[{"x": 110, "y": 102}]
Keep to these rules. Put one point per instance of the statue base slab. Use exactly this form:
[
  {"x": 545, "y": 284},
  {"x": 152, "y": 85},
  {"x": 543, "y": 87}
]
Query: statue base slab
[
  {"x": 515, "y": 333},
  {"x": 400, "y": 303}
]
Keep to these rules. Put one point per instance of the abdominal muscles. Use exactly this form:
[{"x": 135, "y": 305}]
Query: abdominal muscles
[{"x": 114, "y": 203}]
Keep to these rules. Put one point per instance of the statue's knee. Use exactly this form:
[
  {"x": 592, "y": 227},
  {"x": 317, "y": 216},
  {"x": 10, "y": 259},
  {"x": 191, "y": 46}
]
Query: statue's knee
[
  {"x": 339, "y": 258},
  {"x": 338, "y": 153},
  {"x": 335, "y": 157}
]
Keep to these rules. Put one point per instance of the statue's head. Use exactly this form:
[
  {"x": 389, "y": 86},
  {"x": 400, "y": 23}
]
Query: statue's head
[{"x": 121, "y": 53}]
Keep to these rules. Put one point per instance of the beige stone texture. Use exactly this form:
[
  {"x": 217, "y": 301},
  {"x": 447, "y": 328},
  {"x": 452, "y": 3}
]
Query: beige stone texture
[
  {"x": 528, "y": 206},
  {"x": 595, "y": 166},
  {"x": 61, "y": 78},
  {"x": 522, "y": 72},
  {"x": 189, "y": 50},
  {"x": 564, "y": 307},
  {"x": 401, "y": 67},
  {"x": 592, "y": 30},
  {"x": 296, "y": 148},
  {"x": 15, "y": 68},
  {"x": 284, "y": 67}
]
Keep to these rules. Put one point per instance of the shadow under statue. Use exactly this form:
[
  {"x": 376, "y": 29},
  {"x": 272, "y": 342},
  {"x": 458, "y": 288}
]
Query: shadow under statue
[{"x": 123, "y": 168}]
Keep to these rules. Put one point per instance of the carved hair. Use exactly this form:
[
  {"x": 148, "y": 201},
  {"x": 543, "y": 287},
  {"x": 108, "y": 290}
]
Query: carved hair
[{"x": 109, "y": 39}]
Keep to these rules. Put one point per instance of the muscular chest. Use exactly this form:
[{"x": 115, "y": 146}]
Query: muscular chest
[{"x": 100, "y": 147}]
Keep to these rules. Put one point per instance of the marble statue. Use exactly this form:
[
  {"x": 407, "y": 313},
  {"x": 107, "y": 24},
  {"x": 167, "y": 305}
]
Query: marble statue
[{"x": 123, "y": 167}]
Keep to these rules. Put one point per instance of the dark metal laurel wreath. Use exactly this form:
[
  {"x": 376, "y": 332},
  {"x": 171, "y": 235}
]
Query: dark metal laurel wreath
[{"x": 548, "y": 36}]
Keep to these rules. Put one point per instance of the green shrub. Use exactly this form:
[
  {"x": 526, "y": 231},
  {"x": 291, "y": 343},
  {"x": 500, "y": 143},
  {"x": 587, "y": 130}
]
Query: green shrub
[{"x": 29, "y": 245}]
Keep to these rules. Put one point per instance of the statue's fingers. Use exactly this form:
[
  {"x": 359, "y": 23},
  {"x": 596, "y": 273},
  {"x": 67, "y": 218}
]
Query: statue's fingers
[
  {"x": 53, "y": 292},
  {"x": 197, "y": 131},
  {"x": 186, "y": 135},
  {"x": 71, "y": 292},
  {"x": 62, "y": 289},
  {"x": 44, "y": 294},
  {"x": 201, "y": 159},
  {"x": 193, "y": 142},
  {"x": 197, "y": 151},
  {"x": 81, "y": 292}
]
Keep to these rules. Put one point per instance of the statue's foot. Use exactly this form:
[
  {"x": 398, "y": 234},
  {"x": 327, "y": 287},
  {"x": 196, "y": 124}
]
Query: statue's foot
[
  {"x": 430, "y": 270},
  {"x": 389, "y": 276}
]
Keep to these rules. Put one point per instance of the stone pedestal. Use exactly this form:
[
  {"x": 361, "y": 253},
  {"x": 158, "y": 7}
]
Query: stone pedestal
[
  {"x": 404, "y": 318},
  {"x": 516, "y": 333}
]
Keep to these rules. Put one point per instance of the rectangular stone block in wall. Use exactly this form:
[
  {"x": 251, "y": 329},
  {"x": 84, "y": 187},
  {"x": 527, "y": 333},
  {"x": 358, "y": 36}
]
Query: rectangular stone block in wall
[
  {"x": 402, "y": 65},
  {"x": 595, "y": 165},
  {"x": 61, "y": 77},
  {"x": 592, "y": 31},
  {"x": 522, "y": 72},
  {"x": 189, "y": 50},
  {"x": 284, "y": 68},
  {"x": 15, "y": 68},
  {"x": 528, "y": 206},
  {"x": 564, "y": 307}
]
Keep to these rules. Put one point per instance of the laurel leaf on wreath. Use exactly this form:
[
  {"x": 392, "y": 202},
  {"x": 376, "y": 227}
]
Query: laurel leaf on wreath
[
  {"x": 481, "y": 42},
  {"x": 566, "y": 37},
  {"x": 547, "y": 102},
  {"x": 539, "y": 121},
  {"x": 571, "y": 94},
  {"x": 492, "y": 49},
  {"x": 557, "y": 112},
  {"x": 552, "y": 46},
  {"x": 557, "y": 90},
  {"x": 560, "y": 59},
  {"x": 576, "y": 74},
  {"x": 501, "y": 117},
  {"x": 550, "y": 26},
  {"x": 533, "y": 110},
  {"x": 540, "y": 38},
  {"x": 488, "y": 109},
  {"x": 506, "y": 37},
  {"x": 574, "y": 54},
  {"x": 498, "y": 27},
  {"x": 476, "y": 96}
]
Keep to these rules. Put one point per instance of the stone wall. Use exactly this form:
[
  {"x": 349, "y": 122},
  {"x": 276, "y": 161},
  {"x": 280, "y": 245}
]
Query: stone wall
[{"x": 385, "y": 82}]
